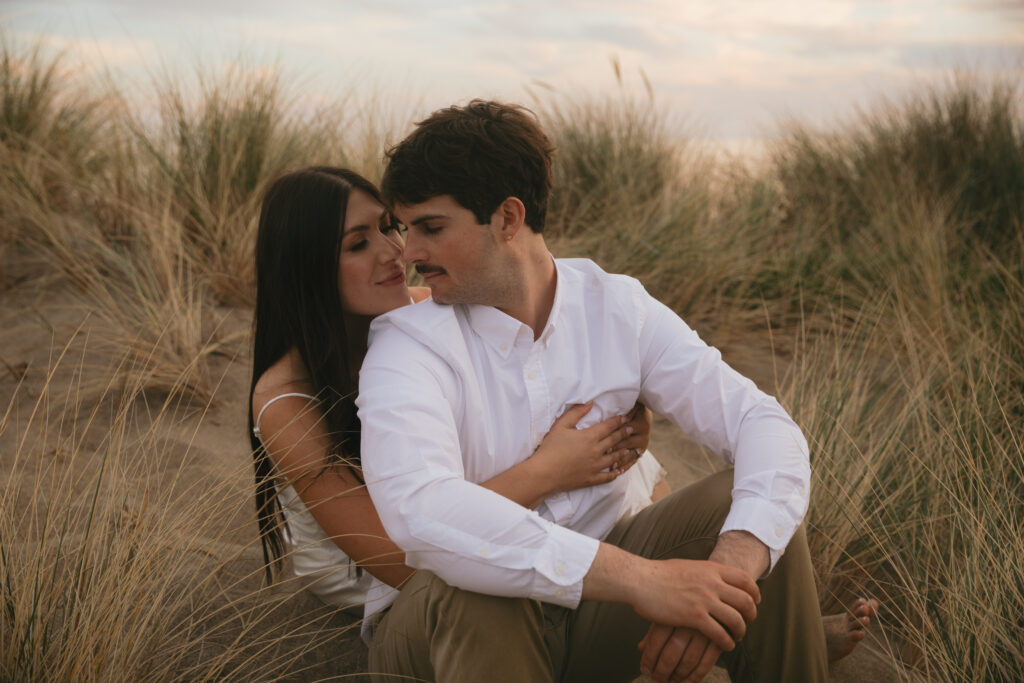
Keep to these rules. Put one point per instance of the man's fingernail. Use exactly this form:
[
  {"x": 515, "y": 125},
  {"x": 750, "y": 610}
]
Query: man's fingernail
[
  {"x": 629, "y": 430},
  {"x": 623, "y": 420}
]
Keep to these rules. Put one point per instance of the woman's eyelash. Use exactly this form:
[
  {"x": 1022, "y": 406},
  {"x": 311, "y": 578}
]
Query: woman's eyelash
[{"x": 384, "y": 229}]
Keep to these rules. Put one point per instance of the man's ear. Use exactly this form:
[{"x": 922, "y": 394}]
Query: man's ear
[{"x": 512, "y": 216}]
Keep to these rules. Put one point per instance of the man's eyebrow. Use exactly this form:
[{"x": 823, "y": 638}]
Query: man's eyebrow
[{"x": 428, "y": 217}]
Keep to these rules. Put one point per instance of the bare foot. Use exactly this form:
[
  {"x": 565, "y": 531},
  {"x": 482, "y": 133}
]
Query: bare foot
[{"x": 844, "y": 631}]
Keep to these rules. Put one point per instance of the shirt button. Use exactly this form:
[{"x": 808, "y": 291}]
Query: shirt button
[
  {"x": 802, "y": 491},
  {"x": 778, "y": 531},
  {"x": 484, "y": 552},
  {"x": 560, "y": 568},
  {"x": 504, "y": 347},
  {"x": 532, "y": 375},
  {"x": 560, "y": 593}
]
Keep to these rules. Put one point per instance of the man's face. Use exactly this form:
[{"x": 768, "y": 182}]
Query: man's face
[{"x": 459, "y": 259}]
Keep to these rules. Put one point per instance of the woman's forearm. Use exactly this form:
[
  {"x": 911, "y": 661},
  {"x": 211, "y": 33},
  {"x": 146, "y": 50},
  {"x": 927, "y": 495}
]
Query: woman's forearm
[
  {"x": 387, "y": 562},
  {"x": 569, "y": 458},
  {"x": 346, "y": 514},
  {"x": 525, "y": 483}
]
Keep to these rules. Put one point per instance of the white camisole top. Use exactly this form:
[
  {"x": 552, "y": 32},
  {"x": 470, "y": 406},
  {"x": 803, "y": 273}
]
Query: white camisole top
[{"x": 331, "y": 574}]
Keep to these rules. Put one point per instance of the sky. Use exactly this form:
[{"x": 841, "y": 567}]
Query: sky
[{"x": 730, "y": 70}]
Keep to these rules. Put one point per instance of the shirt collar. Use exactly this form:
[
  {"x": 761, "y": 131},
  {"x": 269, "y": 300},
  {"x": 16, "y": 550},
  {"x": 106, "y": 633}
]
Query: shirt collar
[{"x": 500, "y": 330}]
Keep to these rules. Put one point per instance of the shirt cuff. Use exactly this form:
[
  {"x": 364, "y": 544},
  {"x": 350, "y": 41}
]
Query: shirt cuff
[
  {"x": 560, "y": 566},
  {"x": 766, "y": 522}
]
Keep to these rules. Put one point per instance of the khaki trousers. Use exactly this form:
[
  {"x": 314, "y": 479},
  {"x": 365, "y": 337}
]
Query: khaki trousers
[{"x": 435, "y": 632}]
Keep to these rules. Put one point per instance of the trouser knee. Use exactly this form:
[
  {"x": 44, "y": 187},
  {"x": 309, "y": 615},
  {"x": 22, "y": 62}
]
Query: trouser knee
[
  {"x": 716, "y": 494},
  {"x": 436, "y": 631},
  {"x": 706, "y": 503},
  {"x": 453, "y": 605}
]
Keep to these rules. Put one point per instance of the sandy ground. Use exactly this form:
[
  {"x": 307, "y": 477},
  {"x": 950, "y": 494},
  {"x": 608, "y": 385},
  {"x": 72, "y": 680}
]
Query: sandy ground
[{"x": 212, "y": 445}]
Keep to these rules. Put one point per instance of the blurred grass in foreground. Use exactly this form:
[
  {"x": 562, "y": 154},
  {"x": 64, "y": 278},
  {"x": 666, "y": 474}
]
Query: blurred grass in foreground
[
  {"x": 887, "y": 255},
  {"x": 118, "y": 558}
]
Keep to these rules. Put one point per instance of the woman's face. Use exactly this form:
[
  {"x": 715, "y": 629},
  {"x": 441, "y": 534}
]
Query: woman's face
[{"x": 371, "y": 272}]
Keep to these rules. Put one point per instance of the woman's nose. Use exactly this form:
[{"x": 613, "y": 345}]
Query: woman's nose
[{"x": 388, "y": 249}]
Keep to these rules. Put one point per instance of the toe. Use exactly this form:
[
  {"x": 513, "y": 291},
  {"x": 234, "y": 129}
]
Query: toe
[{"x": 865, "y": 608}]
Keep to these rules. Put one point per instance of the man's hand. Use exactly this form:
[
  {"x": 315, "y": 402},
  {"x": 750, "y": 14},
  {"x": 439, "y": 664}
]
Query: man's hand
[
  {"x": 711, "y": 598},
  {"x": 676, "y": 654},
  {"x": 684, "y": 654}
]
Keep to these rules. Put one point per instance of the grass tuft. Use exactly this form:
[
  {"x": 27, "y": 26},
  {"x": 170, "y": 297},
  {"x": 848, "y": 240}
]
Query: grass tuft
[{"x": 887, "y": 255}]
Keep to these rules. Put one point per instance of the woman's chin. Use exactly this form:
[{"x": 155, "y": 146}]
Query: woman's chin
[{"x": 400, "y": 297}]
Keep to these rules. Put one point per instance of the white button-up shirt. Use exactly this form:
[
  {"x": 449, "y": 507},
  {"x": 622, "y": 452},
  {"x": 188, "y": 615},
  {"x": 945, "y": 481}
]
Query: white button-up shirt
[{"x": 450, "y": 396}]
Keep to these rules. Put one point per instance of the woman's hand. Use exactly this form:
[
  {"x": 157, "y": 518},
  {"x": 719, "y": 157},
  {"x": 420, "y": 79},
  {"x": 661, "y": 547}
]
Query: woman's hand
[
  {"x": 569, "y": 458},
  {"x": 640, "y": 420}
]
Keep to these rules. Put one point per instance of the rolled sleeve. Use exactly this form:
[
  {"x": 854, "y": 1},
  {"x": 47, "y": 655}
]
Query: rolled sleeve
[
  {"x": 687, "y": 381},
  {"x": 762, "y": 518},
  {"x": 470, "y": 536},
  {"x": 561, "y": 565}
]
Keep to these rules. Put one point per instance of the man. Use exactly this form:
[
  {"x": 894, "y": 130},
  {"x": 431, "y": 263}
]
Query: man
[{"x": 456, "y": 390}]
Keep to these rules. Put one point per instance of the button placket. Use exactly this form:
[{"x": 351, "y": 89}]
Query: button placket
[{"x": 536, "y": 391}]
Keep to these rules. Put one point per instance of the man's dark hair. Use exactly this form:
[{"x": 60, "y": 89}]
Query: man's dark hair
[{"x": 480, "y": 154}]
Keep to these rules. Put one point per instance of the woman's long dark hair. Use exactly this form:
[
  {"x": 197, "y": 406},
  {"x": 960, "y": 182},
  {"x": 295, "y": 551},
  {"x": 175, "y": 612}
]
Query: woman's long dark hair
[{"x": 298, "y": 306}]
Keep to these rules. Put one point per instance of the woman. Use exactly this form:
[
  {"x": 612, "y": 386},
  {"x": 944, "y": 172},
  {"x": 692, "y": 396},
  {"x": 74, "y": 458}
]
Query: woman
[{"x": 329, "y": 259}]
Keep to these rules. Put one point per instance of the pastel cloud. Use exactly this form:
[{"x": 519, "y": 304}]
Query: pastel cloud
[{"x": 735, "y": 64}]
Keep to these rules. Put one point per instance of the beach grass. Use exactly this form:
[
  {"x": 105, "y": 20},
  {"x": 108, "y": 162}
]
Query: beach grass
[
  {"x": 118, "y": 561},
  {"x": 885, "y": 255}
]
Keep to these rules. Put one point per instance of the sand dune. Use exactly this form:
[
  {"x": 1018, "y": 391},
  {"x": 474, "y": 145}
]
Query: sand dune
[{"x": 204, "y": 448}]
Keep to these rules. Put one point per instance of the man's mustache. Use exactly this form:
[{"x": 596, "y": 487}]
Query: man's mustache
[{"x": 424, "y": 269}]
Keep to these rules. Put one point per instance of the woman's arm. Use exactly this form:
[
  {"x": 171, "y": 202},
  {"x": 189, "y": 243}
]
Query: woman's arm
[
  {"x": 567, "y": 459},
  {"x": 294, "y": 436},
  {"x": 570, "y": 458}
]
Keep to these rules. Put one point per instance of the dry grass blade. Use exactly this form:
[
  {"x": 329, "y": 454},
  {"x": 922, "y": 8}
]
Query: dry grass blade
[{"x": 887, "y": 254}]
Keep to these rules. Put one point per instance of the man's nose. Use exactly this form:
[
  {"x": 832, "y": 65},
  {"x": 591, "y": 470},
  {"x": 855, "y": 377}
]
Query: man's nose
[{"x": 413, "y": 251}]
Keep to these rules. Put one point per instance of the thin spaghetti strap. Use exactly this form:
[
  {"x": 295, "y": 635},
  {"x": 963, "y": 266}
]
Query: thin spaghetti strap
[{"x": 256, "y": 425}]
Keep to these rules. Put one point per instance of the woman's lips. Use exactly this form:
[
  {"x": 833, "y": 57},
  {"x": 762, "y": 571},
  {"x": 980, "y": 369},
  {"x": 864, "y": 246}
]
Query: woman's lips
[{"x": 397, "y": 279}]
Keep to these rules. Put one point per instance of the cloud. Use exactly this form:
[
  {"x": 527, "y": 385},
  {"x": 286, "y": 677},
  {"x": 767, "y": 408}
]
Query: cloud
[
  {"x": 1009, "y": 9},
  {"x": 635, "y": 36},
  {"x": 732, "y": 62},
  {"x": 955, "y": 55},
  {"x": 95, "y": 53},
  {"x": 163, "y": 8}
]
